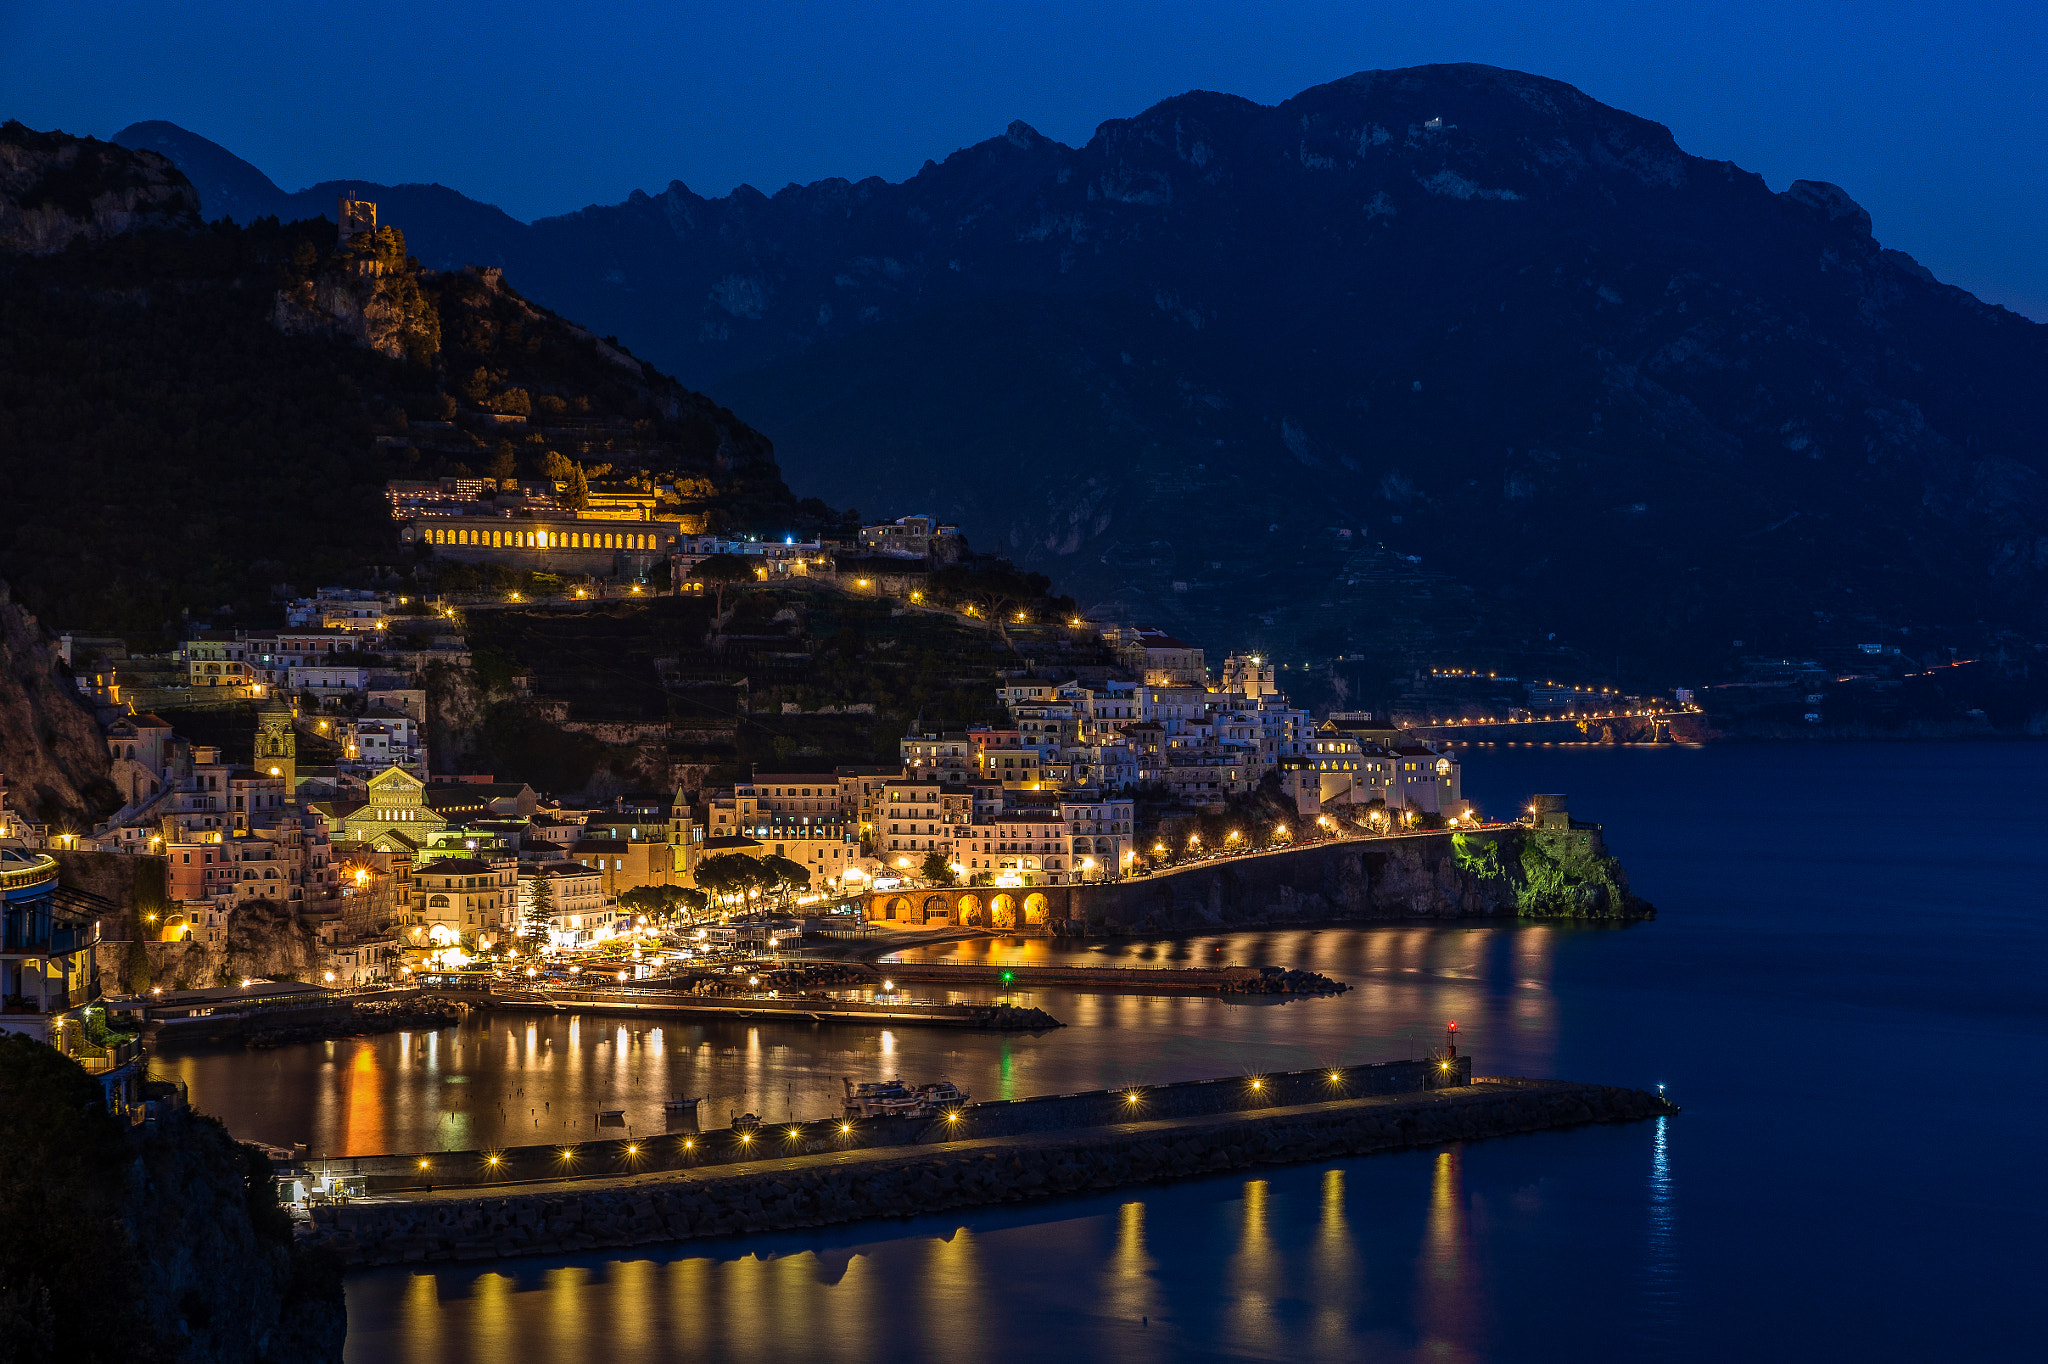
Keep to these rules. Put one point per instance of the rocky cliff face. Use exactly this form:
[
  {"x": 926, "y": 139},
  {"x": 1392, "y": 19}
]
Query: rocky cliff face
[
  {"x": 219, "y": 1272},
  {"x": 370, "y": 293},
  {"x": 51, "y": 750},
  {"x": 55, "y": 189},
  {"x": 1508, "y": 874},
  {"x": 164, "y": 1243}
]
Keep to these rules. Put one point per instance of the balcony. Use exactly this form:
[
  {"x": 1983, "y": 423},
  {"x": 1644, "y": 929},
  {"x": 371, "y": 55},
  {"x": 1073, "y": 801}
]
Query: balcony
[
  {"x": 22, "y": 870},
  {"x": 100, "y": 1060}
]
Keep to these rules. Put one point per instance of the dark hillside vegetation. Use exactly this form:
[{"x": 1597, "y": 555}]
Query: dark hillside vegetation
[
  {"x": 124, "y": 1246},
  {"x": 773, "y": 688},
  {"x": 194, "y": 418}
]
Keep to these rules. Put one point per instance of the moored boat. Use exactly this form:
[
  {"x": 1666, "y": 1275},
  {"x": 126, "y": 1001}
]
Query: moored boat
[{"x": 894, "y": 1099}]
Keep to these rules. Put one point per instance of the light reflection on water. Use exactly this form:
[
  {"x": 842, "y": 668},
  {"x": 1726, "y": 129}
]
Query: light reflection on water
[
  {"x": 1281, "y": 1266},
  {"x": 1812, "y": 970},
  {"x": 510, "y": 1079}
]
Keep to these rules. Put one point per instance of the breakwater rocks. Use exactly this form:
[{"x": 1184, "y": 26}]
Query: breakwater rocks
[
  {"x": 1150, "y": 980},
  {"x": 1272, "y": 980},
  {"x": 366, "y": 1017},
  {"x": 1015, "y": 1018},
  {"x": 814, "y": 1191}
]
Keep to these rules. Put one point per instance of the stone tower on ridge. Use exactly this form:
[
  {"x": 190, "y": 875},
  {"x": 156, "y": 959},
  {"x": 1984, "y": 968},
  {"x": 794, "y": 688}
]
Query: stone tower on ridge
[
  {"x": 277, "y": 743},
  {"x": 355, "y": 216}
]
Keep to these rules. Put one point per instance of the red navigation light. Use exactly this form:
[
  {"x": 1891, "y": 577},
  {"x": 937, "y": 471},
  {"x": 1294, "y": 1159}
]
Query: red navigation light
[{"x": 1454, "y": 1025}]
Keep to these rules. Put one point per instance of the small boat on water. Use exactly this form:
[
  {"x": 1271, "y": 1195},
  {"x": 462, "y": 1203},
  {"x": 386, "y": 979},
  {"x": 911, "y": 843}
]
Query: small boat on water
[
  {"x": 894, "y": 1099},
  {"x": 681, "y": 1113}
]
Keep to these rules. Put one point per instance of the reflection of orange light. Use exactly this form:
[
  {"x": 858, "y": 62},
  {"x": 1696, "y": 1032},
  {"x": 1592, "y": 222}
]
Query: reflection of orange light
[{"x": 362, "y": 1101}]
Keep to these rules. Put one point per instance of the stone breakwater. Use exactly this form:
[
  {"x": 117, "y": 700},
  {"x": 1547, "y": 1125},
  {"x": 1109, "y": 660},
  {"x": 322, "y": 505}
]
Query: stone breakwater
[
  {"x": 849, "y": 1186},
  {"x": 419, "y": 1172},
  {"x": 1151, "y": 980}
]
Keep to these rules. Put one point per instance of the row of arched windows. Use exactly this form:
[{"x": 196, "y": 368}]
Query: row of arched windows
[{"x": 541, "y": 539}]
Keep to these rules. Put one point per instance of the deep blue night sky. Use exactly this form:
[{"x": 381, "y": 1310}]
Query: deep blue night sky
[{"x": 1931, "y": 115}]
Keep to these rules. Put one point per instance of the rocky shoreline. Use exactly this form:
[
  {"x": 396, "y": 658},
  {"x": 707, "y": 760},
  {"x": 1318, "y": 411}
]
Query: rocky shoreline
[{"x": 365, "y": 1018}]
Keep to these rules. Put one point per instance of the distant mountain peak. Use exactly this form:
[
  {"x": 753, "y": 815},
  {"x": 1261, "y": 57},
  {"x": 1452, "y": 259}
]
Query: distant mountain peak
[
  {"x": 228, "y": 186},
  {"x": 1832, "y": 201}
]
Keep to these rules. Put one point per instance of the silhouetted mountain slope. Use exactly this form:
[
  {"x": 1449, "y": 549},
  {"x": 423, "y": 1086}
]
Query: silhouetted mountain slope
[
  {"x": 446, "y": 230},
  {"x": 1553, "y": 375},
  {"x": 192, "y": 415}
]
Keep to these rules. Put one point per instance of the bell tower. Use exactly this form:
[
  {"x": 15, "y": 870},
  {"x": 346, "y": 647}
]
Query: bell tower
[{"x": 277, "y": 743}]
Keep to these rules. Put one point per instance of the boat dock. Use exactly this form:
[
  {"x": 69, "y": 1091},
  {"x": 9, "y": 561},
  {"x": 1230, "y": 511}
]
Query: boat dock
[
  {"x": 653, "y": 1003},
  {"x": 1151, "y": 980}
]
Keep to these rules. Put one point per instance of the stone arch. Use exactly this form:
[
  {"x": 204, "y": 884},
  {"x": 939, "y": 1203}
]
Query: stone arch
[
  {"x": 935, "y": 908},
  {"x": 897, "y": 908},
  {"x": 1002, "y": 912},
  {"x": 1035, "y": 907},
  {"x": 437, "y": 902},
  {"x": 969, "y": 909}
]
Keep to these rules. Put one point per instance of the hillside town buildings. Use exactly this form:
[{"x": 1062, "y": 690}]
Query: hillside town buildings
[{"x": 334, "y": 818}]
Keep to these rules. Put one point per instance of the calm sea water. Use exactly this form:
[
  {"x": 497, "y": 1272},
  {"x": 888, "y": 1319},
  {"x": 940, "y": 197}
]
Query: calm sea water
[{"x": 1844, "y": 991}]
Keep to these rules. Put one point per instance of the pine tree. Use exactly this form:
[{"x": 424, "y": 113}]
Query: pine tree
[{"x": 539, "y": 913}]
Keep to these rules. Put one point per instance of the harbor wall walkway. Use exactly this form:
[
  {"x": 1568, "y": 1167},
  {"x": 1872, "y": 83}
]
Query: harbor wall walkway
[
  {"x": 645, "y": 1153},
  {"x": 848, "y": 1186}
]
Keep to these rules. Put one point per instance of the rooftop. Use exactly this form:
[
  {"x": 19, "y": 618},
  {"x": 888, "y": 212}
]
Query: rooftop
[{"x": 454, "y": 866}]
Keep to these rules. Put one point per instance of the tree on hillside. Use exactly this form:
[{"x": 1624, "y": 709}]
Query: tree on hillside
[
  {"x": 537, "y": 913},
  {"x": 995, "y": 592},
  {"x": 719, "y": 572},
  {"x": 936, "y": 869}
]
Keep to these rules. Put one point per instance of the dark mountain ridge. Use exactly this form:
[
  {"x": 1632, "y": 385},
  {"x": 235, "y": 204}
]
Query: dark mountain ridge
[{"x": 1449, "y": 364}]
